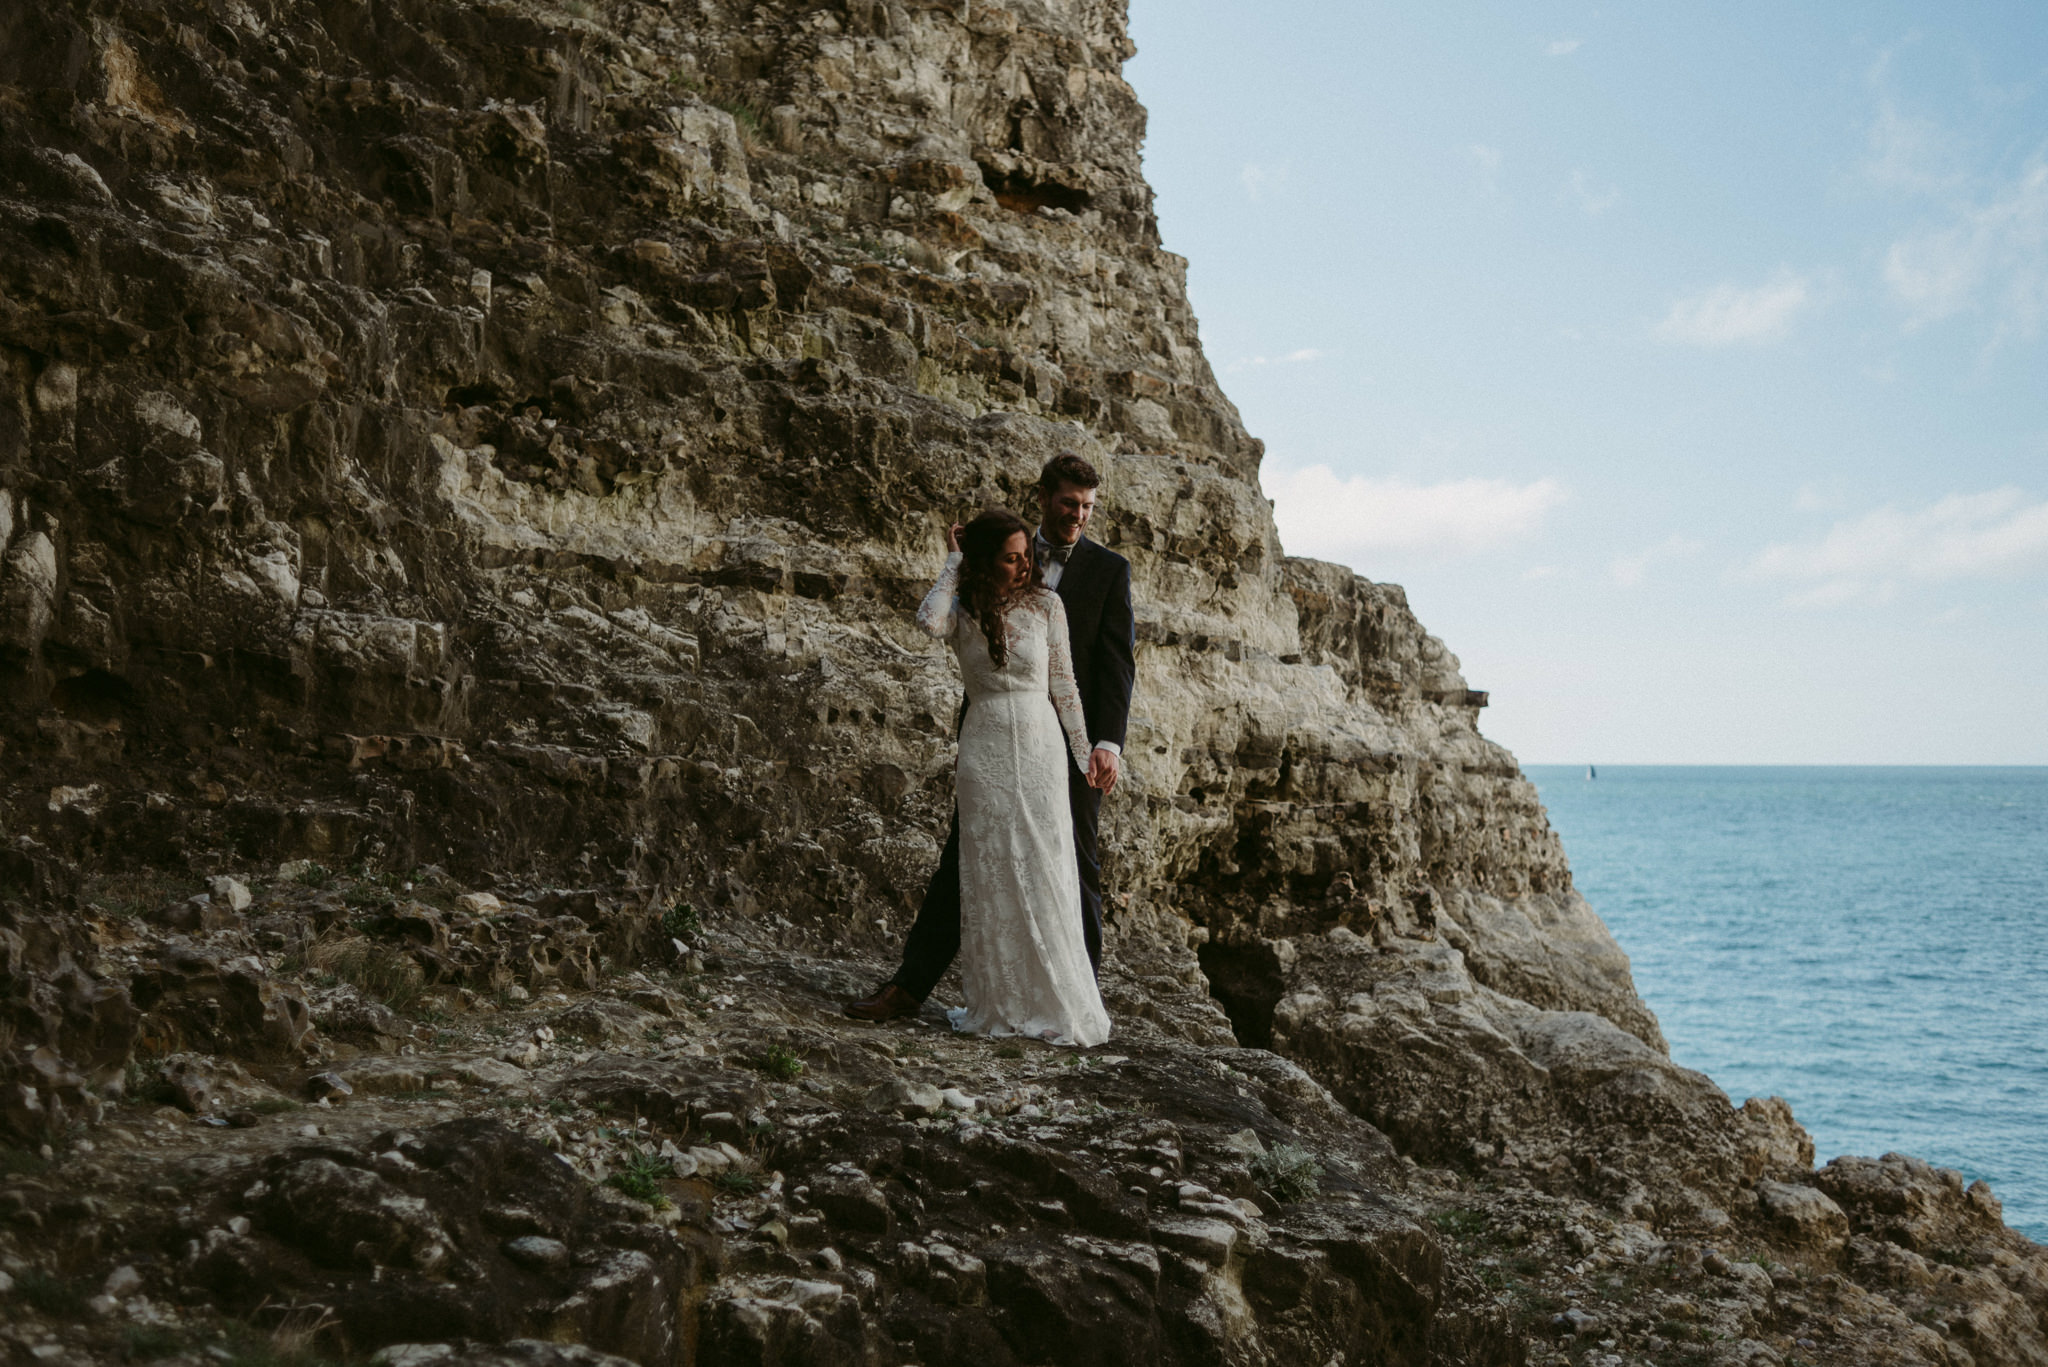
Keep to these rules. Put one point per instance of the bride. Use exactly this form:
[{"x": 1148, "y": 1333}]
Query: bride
[{"x": 1023, "y": 963}]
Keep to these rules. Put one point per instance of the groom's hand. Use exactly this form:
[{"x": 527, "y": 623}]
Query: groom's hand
[{"x": 1102, "y": 770}]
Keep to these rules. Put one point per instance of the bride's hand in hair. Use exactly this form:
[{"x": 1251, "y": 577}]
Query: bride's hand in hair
[{"x": 953, "y": 536}]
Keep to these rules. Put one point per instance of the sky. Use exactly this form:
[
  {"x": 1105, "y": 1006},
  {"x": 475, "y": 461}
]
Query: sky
[{"x": 1687, "y": 363}]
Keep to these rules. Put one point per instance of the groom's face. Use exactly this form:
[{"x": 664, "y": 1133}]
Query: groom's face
[{"x": 1064, "y": 512}]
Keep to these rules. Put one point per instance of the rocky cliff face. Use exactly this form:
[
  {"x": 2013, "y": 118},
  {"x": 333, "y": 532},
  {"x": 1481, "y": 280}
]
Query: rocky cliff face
[{"x": 450, "y": 447}]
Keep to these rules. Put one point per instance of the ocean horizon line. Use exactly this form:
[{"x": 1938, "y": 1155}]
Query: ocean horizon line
[{"x": 1767, "y": 764}]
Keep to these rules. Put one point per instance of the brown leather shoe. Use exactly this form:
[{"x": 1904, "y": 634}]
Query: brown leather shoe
[{"x": 886, "y": 1005}]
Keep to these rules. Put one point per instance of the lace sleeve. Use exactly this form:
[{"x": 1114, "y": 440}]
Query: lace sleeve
[
  {"x": 941, "y": 607},
  {"x": 1066, "y": 694}
]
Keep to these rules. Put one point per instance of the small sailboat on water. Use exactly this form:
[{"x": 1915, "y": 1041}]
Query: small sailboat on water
[{"x": 1591, "y": 773}]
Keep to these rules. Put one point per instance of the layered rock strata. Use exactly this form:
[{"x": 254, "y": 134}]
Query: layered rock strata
[
  {"x": 511, "y": 439},
  {"x": 504, "y": 442}
]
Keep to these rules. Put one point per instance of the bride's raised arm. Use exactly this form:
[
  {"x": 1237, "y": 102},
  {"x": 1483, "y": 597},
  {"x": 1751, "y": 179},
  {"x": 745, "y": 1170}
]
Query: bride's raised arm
[
  {"x": 1066, "y": 694},
  {"x": 941, "y": 607}
]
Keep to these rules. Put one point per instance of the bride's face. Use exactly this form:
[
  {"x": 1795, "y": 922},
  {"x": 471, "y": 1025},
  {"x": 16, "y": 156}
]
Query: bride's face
[{"x": 1014, "y": 561}]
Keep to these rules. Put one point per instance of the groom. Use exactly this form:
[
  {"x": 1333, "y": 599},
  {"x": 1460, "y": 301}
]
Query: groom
[{"x": 1095, "y": 584}]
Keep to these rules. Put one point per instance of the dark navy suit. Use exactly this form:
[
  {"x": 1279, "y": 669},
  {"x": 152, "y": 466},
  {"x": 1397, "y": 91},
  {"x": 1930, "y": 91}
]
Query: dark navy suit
[{"x": 1095, "y": 585}]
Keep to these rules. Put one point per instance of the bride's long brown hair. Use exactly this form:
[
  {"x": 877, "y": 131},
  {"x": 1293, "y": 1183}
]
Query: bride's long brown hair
[{"x": 984, "y": 590}]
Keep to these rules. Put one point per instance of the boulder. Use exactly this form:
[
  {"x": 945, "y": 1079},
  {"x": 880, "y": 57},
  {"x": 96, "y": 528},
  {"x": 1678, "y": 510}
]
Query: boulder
[
  {"x": 904, "y": 1097},
  {"x": 214, "y": 1001},
  {"x": 229, "y": 892},
  {"x": 350, "y": 1216},
  {"x": 1910, "y": 1202},
  {"x": 1803, "y": 1215}
]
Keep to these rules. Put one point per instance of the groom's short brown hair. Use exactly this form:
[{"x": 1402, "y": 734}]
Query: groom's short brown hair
[{"x": 1068, "y": 468}]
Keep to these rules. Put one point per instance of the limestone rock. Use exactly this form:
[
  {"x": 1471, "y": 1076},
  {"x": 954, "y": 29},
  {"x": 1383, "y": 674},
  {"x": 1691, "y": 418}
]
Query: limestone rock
[
  {"x": 1805, "y": 1215},
  {"x": 70, "y": 1029},
  {"x": 1907, "y": 1201},
  {"x": 379, "y": 1236},
  {"x": 1245, "y": 1144},
  {"x": 486, "y": 1072},
  {"x": 673, "y": 417},
  {"x": 533, "y": 1250},
  {"x": 230, "y": 892},
  {"x": 205, "y": 1085},
  {"x": 515, "y": 1353},
  {"x": 1440, "y": 1062},
  {"x": 343, "y": 1214},
  {"x": 448, "y": 448},
  {"x": 222, "y": 1003},
  {"x": 906, "y": 1098}
]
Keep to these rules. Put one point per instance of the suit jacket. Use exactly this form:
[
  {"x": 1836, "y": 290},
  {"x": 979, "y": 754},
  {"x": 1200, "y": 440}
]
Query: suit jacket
[{"x": 1096, "y": 588}]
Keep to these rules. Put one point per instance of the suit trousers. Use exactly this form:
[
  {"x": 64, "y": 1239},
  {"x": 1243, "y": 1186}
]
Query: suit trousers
[{"x": 934, "y": 939}]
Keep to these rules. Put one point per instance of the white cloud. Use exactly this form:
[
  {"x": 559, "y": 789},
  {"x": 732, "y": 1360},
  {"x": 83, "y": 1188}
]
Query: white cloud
[
  {"x": 1815, "y": 498},
  {"x": 1561, "y": 47},
  {"x": 1991, "y": 256},
  {"x": 1259, "y": 180},
  {"x": 1907, "y": 154},
  {"x": 1935, "y": 275},
  {"x": 1299, "y": 357},
  {"x": 1486, "y": 161},
  {"x": 1728, "y": 314},
  {"x": 1999, "y": 534},
  {"x": 1839, "y": 592},
  {"x": 1592, "y": 202},
  {"x": 1631, "y": 570},
  {"x": 1321, "y": 513}
]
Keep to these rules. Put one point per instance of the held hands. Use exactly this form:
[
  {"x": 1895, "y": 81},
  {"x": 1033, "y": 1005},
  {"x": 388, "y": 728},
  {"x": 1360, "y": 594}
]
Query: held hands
[
  {"x": 1102, "y": 770},
  {"x": 953, "y": 536}
]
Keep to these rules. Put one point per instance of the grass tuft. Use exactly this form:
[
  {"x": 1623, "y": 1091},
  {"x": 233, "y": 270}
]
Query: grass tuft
[
  {"x": 640, "y": 1177},
  {"x": 681, "y": 922},
  {"x": 53, "y": 1296},
  {"x": 378, "y": 971},
  {"x": 292, "y": 1342},
  {"x": 143, "y": 1081},
  {"x": 314, "y": 876},
  {"x": 739, "y": 1181},
  {"x": 752, "y": 126},
  {"x": 148, "y": 1342},
  {"x": 781, "y": 1062},
  {"x": 21, "y": 1162},
  {"x": 1459, "y": 1224},
  {"x": 1289, "y": 1172}
]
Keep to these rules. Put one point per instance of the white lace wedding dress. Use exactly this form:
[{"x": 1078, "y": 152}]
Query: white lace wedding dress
[{"x": 1023, "y": 964}]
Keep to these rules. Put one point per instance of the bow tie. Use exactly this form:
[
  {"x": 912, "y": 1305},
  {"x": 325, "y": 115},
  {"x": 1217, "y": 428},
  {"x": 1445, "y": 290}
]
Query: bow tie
[{"x": 1048, "y": 551}]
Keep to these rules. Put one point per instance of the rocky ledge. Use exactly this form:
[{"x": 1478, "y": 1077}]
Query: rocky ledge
[
  {"x": 465, "y": 470},
  {"x": 699, "y": 1159}
]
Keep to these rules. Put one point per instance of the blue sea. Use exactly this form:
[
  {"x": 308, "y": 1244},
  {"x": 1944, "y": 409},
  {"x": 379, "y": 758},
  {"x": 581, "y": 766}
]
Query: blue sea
[{"x": 1869, "y": 943}]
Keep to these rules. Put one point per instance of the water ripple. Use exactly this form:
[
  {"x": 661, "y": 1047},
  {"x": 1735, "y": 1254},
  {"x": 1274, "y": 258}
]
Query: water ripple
[{"x": 1863, "y": 942}]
